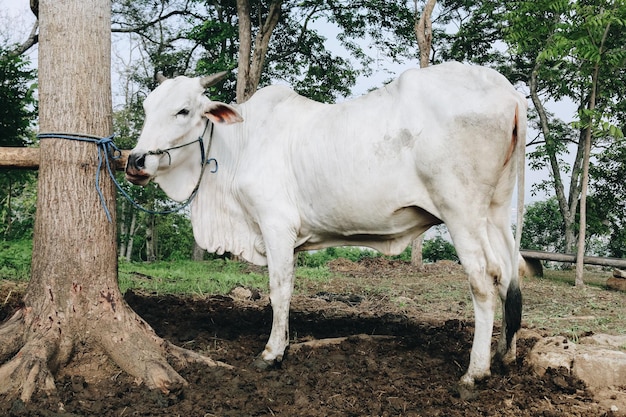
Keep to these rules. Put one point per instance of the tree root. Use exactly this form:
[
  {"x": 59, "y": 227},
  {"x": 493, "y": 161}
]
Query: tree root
[
  {"x": 318, "y": 343},
  {"x": 34, "y": 346},
  {"x": 184, "y": 356},
  {"x": 12, "y": 336},
  {"x": 139, "y": 351},
  {"x": 29, "y": 370}
]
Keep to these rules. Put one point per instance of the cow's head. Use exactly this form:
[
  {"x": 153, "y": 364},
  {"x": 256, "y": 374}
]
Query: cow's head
[{"x": 176, "y": 113}]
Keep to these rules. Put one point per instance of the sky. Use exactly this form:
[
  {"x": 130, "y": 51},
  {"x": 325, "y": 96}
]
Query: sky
[{"x": 17, "y": 16}]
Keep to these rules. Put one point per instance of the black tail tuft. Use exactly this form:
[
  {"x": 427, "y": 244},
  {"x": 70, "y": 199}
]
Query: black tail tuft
[{"x": 513, "y": 312}]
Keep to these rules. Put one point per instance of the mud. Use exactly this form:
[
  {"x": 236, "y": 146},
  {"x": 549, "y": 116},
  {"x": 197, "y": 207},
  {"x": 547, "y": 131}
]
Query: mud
[{"x": 413, "y": 372}]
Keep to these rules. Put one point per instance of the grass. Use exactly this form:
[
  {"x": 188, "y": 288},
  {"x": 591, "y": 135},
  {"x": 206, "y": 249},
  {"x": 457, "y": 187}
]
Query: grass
[
  {"x": 189, "y": 277},
  {"x": 15, "y": 260},
  {"x": 555, "y": 305},
  {"x": 552, "y": 304}
]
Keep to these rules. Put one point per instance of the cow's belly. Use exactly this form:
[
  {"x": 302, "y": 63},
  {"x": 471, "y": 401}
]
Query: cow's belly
[{"x": 388, "y": 233}]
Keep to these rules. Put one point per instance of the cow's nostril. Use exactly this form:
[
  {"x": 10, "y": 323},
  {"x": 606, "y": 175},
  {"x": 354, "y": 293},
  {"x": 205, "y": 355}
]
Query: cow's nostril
[{"x": 137, "y": 162}]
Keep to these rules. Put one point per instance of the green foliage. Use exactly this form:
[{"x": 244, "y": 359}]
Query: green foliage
[
  {"x": 175, "y": 239},
  {"x": 15, "y": 259},
  {"x": 298, "y": 53},
  {"x": 433, "y": 250},
  {"x": 322, "y": 257},
  {"x": 17, "y": 101},
  {"x": 438, "y": 249},
  {"x": 609, "y": 195},
  {"x": 17, "y": 113},
  {"x": 17, "y": 204},
  {"x": 543, "y": 227}
]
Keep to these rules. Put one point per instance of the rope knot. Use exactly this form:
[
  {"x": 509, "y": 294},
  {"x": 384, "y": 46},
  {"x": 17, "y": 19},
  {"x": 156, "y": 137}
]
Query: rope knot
[{"x": 108, "y": 150}]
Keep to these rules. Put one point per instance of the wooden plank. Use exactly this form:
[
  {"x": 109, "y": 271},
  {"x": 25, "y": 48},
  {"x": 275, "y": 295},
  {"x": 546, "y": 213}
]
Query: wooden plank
[
  {"x": 28, "y": 158},
  {"x": 571, "y": 258}
]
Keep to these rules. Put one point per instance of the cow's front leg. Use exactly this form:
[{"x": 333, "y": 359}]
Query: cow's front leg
[{"x": 281, "y": 271}]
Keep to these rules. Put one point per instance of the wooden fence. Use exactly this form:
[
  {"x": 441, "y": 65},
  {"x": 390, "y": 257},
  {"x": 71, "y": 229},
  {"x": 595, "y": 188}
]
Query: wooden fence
[
  {"x": 570, "y": 258},
  {"x": 28, "y": 158}
]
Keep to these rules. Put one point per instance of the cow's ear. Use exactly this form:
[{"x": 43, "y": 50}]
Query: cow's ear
[{"x": 222, "y": 113}]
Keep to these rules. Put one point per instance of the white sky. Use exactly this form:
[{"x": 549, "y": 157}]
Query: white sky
[{"x": 17, "y": 19}]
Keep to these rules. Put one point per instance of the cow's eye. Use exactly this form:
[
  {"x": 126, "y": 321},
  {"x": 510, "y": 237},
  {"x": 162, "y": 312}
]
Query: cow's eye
[{"x": 182, "y": 112}]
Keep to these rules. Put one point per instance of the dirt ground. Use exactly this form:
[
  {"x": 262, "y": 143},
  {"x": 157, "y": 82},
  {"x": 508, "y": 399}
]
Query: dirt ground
[{"x": 396, "y": 360}]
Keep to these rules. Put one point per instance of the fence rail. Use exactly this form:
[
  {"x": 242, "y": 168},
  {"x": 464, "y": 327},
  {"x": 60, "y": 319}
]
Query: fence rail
[
  {"x": 28, "y": 158},
  {"x": 571, "y": 258}
]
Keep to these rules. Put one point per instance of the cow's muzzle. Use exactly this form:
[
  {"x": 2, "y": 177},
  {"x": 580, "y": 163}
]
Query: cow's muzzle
[{"x": 135, "y": 169}]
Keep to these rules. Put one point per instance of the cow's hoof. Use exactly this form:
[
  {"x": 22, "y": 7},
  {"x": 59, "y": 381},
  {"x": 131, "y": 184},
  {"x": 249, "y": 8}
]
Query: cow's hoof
[
  {"x": 467, "y": 392},
  {"x": 264, "y": 364},
  {"x": 467, "y": 388}
]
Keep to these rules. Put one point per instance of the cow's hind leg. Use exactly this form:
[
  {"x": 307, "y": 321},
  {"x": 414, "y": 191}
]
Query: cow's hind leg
[
  {"x": 476, "y": 255},
  {"x": 508, "y": 286},
  {"x": 486, "y": 252}
]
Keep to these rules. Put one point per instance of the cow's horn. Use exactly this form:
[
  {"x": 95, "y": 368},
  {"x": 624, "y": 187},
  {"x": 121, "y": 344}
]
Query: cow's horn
[
  {"x": 160, "y": 77},
  {"x": 210, "y": 80}
]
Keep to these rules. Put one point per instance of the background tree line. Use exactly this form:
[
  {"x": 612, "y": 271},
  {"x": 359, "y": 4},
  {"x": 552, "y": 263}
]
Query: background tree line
[{"x": 553, "y": 50}]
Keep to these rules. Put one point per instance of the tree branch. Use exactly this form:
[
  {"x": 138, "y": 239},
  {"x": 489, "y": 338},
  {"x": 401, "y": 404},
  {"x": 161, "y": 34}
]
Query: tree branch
[
  {"x": 159, "y": 19},
  {"x": 32, "y": 40}
]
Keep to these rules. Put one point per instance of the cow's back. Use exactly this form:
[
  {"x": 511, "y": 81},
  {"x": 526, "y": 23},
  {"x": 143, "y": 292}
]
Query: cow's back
[{"x": 394, "y": 147}]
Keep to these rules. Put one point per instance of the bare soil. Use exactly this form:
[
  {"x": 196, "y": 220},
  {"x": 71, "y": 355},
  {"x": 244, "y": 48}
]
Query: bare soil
[{"x": 413, "y": 372}]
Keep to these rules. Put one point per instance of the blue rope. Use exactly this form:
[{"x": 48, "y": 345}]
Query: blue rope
[{"x": 108, "y": 150}]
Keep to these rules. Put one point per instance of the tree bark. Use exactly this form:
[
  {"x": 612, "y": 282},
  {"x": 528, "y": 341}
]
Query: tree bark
[
  {"x": 245, "y": 49},
  {"x": 73, "y": 301},
  {"x": 424, "y": 32},
  {"x": 28, "y": 158},
  {"x": 131, "y": 236},
  {"x": 150, "y": 239},
  {"x": 251, "y": 60},
  {"x": 585, "y": 183},
  {"x": 586, "y": 156},
  {"x": 417, "y": 258},
  {"x": 198, "y": 252},
  {"x": 124, "y": 227}
]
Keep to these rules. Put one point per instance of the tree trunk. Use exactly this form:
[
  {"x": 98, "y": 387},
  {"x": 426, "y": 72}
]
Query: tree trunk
[
  {"x": 585, "y": 182},
  {"x": 245, "y": 49},
  {"x": 416, "y": 251},
  {"x": 198, "y": 252},
  {"x": 124, "y": 230},
  {"x": 73, "y": 301},
  {"x": 251, "y": 60},
  {"x": 424, "y": 32},
  {"x": 131, "y": 236},
  {"x": 150, "y": 240}
]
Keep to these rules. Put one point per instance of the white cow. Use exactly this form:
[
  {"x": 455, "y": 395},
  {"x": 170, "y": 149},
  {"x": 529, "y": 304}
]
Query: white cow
[{"x": 436, "y": 145}]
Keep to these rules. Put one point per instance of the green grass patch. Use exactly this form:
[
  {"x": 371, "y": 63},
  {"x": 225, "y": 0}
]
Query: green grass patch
[
  {"x": 189, "y": 277},
  {"x": 15, "y": 259}
]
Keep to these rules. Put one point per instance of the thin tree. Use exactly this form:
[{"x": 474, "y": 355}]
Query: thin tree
[
  {"x": 73, "y": 301},
  {"x": 424, "y": 34},
  {"x": 252, "y": 54}
]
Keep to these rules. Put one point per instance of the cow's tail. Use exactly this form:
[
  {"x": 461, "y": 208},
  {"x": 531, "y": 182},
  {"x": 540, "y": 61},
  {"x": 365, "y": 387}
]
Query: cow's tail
[{"x": 513, "y": 303}]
